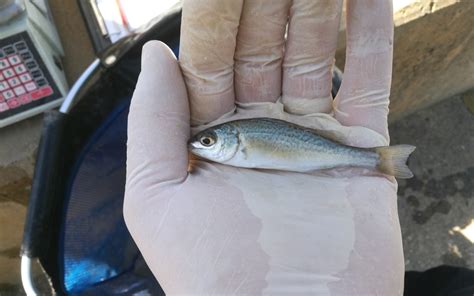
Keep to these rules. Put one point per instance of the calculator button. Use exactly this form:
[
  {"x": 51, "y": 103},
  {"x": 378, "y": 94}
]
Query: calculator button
[
  {"x": 13, "y": 103},
  {"x": 8, "y": 73},
  {"x": 36, "y": 74},
  {"x": 1, "y": 77},
  {"x": 2, "y": 99},
  {"x": 20, "y": 45},
  {"x": 19, "y": 90},
  {"x": 4, "y": 85},
  {"x": 14, "y": 60},
  {"x": 31, "y": 65},
  {"x": 36, "y": 95},
  {"x": 25, "y": 77},
  {"x": 13, "y": 81},
  {"x": 30, "y": 86},
  {"x": 9, "y": 49},
  {"x": 25, "y": 55},
  {"x": 8, "y": 94},
  {"x": 41, "y": 93},
  {"x": 24, "y": 99},
  {"x": 20, "y": 69},
  {"x": 41, "y": 82},
  {"x": 4, "y": 107},
  {"x": 4, "y": 64},
  {"x": 46, "y": 91}
]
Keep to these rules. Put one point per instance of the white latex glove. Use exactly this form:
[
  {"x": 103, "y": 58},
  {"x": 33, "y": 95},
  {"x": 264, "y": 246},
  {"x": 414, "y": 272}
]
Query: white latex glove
[{"x": 223, "y": 230}]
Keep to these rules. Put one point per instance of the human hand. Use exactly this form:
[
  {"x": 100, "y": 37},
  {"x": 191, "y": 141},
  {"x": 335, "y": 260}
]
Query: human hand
[{"x": 227, "y": 230}]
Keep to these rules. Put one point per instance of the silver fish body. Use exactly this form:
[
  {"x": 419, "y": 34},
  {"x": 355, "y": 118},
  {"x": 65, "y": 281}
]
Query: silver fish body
[{"x": 275, "y": 144}]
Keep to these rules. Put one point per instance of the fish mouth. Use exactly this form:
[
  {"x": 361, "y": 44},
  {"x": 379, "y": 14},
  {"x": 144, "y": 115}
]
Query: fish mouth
[{"x": 194, "y": 145}]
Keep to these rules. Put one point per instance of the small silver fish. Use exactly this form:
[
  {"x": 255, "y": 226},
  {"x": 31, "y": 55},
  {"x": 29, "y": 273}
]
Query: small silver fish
[{"x": 267, "y": 143}]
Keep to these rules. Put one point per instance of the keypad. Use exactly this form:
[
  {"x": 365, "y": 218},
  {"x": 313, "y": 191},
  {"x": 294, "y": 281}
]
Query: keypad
[{"x": 21, "y": 80}]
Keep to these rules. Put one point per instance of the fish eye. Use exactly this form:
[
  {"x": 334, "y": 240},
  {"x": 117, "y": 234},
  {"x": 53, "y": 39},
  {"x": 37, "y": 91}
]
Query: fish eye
[{"x": 207, "y": 141}]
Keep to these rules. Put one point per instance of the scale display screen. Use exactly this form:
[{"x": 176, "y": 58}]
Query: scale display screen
[{"x": 25, "y": 82}]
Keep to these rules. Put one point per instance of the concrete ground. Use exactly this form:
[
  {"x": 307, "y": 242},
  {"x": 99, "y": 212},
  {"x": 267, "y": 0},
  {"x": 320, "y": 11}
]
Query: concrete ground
[{"x": 436, "y": 207}]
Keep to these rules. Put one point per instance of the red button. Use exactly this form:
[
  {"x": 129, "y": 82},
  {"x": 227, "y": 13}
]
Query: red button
[
  {"x": 46, "y": 90},
  {"x": 13, "y": 103},
  {"x": 41, "y": 93},
  {"x": 4, "y": 107},
  {"x": 24, "y": 99},
  {"x": 1, "y": 98},
  {"x": 36, "y": 95}
]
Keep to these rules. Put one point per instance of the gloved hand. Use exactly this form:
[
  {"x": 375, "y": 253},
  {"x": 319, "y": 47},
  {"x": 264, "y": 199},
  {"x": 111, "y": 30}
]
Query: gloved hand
[{"x": 206, "y": 228}]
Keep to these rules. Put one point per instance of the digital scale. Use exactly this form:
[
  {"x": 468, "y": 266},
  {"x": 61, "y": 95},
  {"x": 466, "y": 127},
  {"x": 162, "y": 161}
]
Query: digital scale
[{"x": 31, "y": 75}]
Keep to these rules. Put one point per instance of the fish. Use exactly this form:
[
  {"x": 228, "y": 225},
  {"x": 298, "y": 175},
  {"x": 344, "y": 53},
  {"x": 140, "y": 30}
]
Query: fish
[{"x": 267, "y": 143}]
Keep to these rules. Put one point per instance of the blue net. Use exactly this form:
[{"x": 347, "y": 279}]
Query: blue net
[{"x": 97, "y": 252}]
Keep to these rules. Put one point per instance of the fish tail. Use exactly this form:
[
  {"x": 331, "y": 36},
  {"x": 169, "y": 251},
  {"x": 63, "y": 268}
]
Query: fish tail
[{"x": 393, "y": 160}]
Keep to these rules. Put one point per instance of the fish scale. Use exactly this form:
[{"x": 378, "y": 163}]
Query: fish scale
[{"x": 275, "y": 134}]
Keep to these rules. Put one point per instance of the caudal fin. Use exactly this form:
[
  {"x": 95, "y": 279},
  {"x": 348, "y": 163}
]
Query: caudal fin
[{"x": 393, "y": 160}]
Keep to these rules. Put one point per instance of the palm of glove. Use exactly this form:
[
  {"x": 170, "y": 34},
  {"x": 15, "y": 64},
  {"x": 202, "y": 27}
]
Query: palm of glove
[{"x": 209, "y": 228}]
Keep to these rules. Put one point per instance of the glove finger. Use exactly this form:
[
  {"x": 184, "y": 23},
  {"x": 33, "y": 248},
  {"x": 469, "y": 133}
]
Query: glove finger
[
  {"x": 259, "y": 51},
  {"x": 363, "y": 98},
  {"x": 207, "y": 46},
  {"x": 309, "y": 55}
]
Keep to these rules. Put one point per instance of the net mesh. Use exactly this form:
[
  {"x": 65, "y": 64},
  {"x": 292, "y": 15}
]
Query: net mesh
[{"x": 97, "y": 253}]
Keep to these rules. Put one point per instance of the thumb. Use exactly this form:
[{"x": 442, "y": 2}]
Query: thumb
[{"x": 158, "y": 124}]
